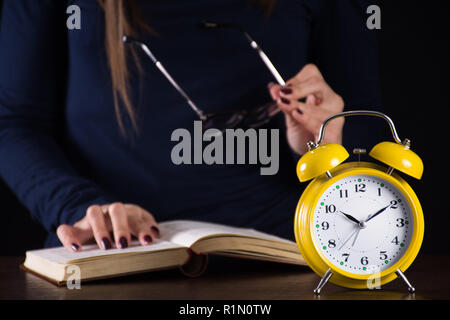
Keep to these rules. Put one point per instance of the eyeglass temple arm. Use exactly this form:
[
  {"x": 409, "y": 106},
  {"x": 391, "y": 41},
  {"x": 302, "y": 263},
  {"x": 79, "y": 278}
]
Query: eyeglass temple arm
[
  {"x": 163, "y": 70},
  {"x": 253, "y": 44}
]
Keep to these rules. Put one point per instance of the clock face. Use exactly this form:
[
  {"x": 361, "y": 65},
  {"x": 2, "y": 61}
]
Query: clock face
[{"x": 362, "y": 224}]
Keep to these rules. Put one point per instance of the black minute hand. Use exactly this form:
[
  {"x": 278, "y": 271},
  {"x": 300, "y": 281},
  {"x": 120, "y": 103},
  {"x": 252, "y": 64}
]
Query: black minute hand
[{"x": 377, "y": 213}]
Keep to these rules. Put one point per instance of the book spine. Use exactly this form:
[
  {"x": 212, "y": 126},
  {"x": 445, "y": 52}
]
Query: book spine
[{"x": 195, "y": 264}]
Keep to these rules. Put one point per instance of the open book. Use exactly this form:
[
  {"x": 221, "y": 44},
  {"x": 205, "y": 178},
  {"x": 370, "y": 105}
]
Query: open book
[{"x": 184, "y": 244}]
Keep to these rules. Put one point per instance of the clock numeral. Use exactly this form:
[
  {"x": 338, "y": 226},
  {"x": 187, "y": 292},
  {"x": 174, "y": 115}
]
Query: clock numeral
[
  {"x": 383, "y": 255},
  {"x": 364, "y": 261},
  {"x": 360, "y": 187},
  {"x": 343, "y": 193},
  {"x": 330, "y": 208},
  {"x": 325, "y": 225},
  {"x": 331, "y": 243},
  {"x": 346, "y": 255},
  {"x": 394, "y": 204},
  {"x": 395, "y": 240},
  {"x": 379, "y": 192},
  {"x": 401, "y": 222}
]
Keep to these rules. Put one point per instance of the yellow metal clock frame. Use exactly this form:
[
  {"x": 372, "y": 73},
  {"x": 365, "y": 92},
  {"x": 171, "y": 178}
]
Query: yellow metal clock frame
[
  {"x": 323, "y": 163},
  {"x": 304, "y": 225}
]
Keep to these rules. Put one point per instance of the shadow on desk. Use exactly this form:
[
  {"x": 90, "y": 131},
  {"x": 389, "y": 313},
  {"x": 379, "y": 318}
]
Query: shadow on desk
[{"x": 227, "y": 279}]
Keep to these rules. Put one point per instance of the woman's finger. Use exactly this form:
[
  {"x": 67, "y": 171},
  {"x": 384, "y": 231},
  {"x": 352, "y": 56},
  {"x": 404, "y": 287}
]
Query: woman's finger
[
  {"x": 313, "y": 100},
  {"x": 309, "y": 116},
  {"x": 69, "y": 238},
  {"x": 105, "y": 208},
  {"x": 293, "y": 111},
  {"x": 308, "y": 121},
  {"x": 274, "y": 90},
  {"x": 96, "y": 219},
  {"x": 151, "y": 223},
  {"x": 139, "y": 219},
  {"x": 119, "y": 220},
  {"x": 309, "y": 70},
  {"x": 140, "y": 230},
  {"x": 155, "y": 230},
  {"x": 153, "y": 226},
  {"x": 313, "y": 86},
  {"x": 286, "y": 105}
]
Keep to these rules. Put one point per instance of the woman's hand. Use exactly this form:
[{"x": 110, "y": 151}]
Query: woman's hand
[
  {"x": 123, "y": 220},
  {"x": 304, "y": 119}
]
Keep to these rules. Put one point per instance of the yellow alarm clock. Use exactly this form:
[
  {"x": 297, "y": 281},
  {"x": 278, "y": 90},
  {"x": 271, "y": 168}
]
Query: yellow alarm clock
[{"x": 359, "y": 223}]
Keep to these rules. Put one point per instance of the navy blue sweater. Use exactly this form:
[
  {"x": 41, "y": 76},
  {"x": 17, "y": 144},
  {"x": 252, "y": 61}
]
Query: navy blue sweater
[{"x": 61, "y": 148}]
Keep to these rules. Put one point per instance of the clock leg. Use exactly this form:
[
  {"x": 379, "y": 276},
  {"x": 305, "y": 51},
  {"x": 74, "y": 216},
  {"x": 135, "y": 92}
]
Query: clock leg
[
  {"x": 399, "y": 273},
  {"x": 323, "y": 281}
]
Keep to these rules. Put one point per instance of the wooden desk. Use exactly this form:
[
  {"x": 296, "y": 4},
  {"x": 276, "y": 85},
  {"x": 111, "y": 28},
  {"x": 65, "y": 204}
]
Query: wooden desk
[{"x": 228, "y": 278}]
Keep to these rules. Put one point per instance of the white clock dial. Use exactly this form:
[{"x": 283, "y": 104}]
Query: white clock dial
[{"x": 362, "y": 224}]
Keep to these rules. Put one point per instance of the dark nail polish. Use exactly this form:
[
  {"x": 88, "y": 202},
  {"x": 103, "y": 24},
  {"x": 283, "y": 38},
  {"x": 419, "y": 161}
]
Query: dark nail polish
[
  {"x": 106, "y": 243},
  {"x": 123, "y": 243},
  {"x": 75, "y": 247},
  {"x": 286, "y": 90},
  {"x": 285, "y": 101},
  {"x": 155, "y": 229},
  {"x": 148, "y": 239}
]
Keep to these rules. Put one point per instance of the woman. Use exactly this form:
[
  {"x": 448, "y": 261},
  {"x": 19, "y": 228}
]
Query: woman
[{"x": 86, "y": 121}]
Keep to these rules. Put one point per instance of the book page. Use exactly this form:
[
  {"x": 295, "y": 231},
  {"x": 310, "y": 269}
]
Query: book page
[
  {"x": 187, "y": 232},
  {"x": 92, "y": 251}
]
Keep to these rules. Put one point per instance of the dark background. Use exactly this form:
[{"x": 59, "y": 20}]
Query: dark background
[{"x": 413, "y": 52}]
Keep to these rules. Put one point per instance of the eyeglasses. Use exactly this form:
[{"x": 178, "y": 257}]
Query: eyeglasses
[{"x": 250, "y": 118}]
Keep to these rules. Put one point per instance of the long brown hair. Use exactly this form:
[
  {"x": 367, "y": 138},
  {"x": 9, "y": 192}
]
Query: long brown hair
[{"x": 122, "y": 18}]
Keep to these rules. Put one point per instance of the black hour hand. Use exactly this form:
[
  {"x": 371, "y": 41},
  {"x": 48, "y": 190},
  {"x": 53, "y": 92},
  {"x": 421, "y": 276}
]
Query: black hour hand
[{"x": 351, "y": 218}]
